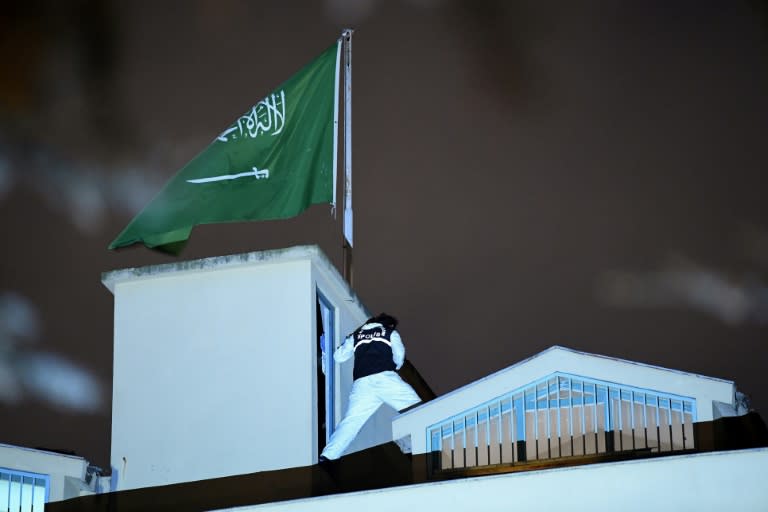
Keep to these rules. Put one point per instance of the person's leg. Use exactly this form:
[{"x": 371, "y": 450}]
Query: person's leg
[
  {"x": 394, "y": 391},
  {"x": 363, "y": 402}
]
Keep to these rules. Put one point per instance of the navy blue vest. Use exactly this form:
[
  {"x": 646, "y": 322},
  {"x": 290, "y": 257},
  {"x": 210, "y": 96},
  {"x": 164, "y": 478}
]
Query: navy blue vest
[{"x": 373, "y": 353}]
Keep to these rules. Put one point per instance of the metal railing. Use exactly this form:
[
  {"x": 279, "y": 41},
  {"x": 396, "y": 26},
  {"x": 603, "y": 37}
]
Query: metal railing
[
  {"x": 21, "y": 491},
  {"x": 563, "y": 415}
]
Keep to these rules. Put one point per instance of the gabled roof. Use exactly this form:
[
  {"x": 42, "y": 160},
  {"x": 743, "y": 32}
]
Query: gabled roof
[{"x": 555, "y": 359}]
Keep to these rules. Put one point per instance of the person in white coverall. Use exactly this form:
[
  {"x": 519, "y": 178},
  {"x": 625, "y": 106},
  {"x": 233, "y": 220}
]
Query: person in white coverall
[{"x": 378, "y": 352}]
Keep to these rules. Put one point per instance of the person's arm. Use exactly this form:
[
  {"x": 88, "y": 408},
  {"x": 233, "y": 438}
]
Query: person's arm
[
  {"x": 398, "y": 349},
  {"x": 345, "y": 350}
]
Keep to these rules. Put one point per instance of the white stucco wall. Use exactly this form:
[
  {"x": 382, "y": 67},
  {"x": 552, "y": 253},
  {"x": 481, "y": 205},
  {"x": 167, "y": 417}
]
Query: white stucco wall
[
  {"x": 215, "y": 366},
  {"x": 708, "y": 481},
  {"x": 57, "y": 466},
  {"x": 212, "y": 374},
  {"x": 704, "y": 389}
]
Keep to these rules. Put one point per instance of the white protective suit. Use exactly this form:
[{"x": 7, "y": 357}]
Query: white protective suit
[{"x": 368, "y": 393}]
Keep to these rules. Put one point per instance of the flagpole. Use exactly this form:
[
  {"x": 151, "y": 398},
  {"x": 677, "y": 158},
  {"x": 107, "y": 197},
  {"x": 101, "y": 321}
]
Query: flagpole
[{"x": 347, "y": 242}]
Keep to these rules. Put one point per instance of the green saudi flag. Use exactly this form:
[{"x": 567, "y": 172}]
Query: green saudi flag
[{"x": 271, "y": 163}]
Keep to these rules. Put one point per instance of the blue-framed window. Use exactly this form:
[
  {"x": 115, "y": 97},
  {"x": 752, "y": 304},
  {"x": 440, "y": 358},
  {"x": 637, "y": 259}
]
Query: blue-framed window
[
  {"x": 23, "y": 491},
  {"x": 563, "y": 415}
]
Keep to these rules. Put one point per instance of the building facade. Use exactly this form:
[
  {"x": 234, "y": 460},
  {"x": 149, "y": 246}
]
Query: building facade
[{"x": 225, "y": 392}]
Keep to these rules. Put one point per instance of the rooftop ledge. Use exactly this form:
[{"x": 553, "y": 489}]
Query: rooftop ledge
[{"x": 296, "y": 253}]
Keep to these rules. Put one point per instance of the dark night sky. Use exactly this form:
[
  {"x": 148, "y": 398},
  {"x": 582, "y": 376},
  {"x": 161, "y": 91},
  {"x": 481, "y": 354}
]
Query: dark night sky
[{"x": 587, "y": 174}]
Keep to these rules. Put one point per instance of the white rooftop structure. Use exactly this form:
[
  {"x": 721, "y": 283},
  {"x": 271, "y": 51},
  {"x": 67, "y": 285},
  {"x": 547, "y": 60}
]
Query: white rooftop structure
[
  {"x": 31, "y": 477},
  {"x": 552, "y": 385},
  {"x": 218, "y": 369}
]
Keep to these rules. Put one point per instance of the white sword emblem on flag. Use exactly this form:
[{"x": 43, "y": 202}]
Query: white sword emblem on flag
[{"x": 259, "y": 174}]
